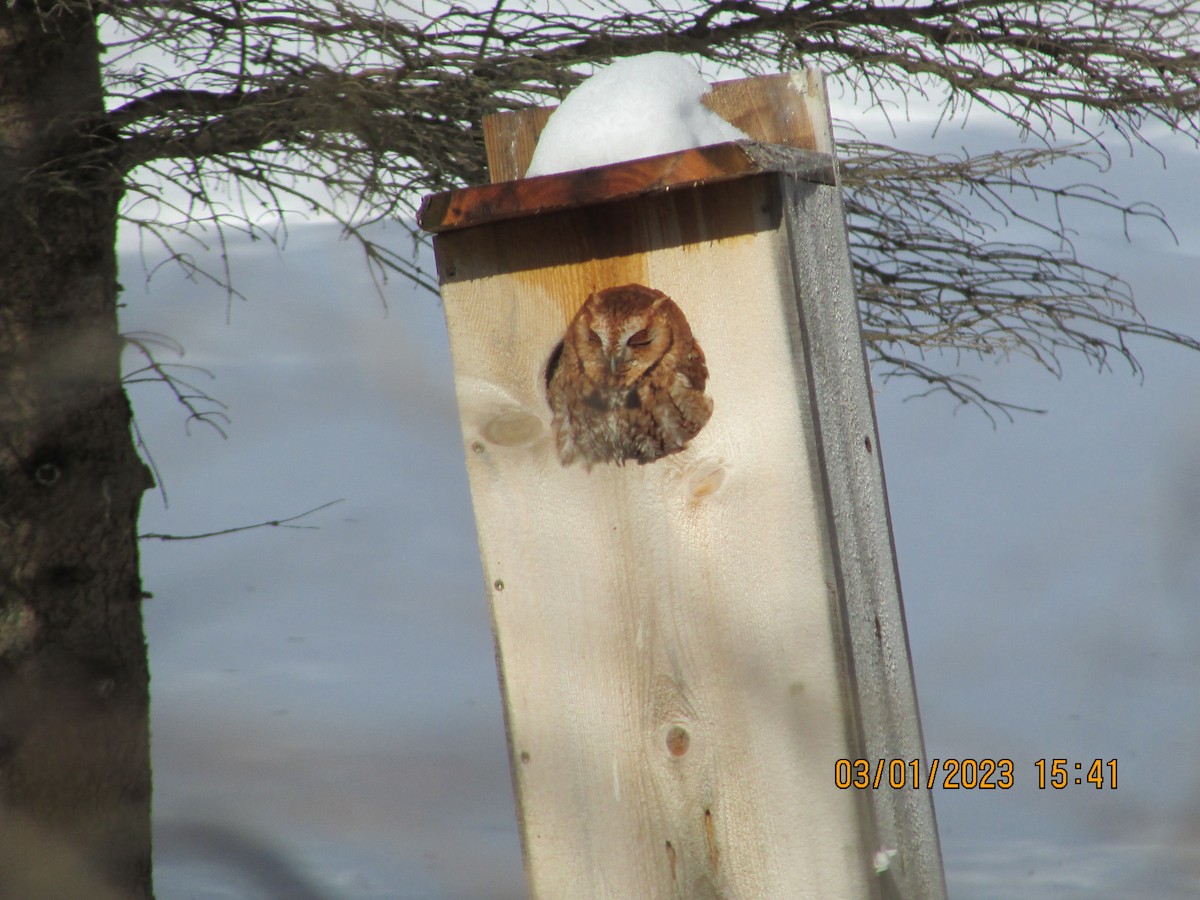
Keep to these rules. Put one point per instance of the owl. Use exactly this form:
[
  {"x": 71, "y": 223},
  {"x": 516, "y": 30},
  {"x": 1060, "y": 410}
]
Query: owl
[{"x": 627, "y": 380}]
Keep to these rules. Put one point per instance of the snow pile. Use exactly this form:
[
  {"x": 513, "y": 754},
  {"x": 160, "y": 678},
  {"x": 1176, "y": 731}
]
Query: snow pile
[{"x": 639, "y": 106}]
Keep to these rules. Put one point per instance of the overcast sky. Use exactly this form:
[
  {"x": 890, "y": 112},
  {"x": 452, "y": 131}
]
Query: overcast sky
[{"x": 325, "y": 701}]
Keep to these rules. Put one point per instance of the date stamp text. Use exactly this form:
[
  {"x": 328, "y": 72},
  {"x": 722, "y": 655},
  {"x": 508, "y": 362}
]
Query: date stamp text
[{"x": 970, "y": 774}]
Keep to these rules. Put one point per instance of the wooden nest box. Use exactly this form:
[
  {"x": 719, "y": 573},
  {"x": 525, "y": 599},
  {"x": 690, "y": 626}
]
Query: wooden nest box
[{"x": 692, "y": 582}]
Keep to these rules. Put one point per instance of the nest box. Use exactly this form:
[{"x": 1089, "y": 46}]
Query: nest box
[{"x": 698, "y": 629}]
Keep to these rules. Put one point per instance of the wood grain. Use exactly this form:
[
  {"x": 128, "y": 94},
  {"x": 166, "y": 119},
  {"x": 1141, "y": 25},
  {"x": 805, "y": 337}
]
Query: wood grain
[
  {"x": 510, "y": 139},
  {"x": 468, "y": 207},
  {"x": 674, "y": 689}
]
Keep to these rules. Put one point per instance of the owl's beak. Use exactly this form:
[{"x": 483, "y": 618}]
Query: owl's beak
[{"x": 613, "y": 362}]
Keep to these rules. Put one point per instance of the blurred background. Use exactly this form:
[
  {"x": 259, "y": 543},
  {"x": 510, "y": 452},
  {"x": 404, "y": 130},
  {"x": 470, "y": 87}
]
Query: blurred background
[{"x": 326, "y": 718}]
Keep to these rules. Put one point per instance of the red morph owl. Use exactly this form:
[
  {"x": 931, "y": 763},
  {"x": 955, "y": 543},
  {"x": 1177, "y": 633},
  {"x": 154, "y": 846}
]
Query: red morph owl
[{"x": 627, "y": 381}]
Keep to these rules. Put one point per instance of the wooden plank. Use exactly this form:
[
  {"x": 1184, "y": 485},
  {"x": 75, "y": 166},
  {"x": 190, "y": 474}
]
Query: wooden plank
[
  {"x": 467, "y": 207},
  {"x": 668, "y": 634},
  {"x": 873, "y": 630},
  {"x": 788, "y": 109},
  {"x": 510, "y": 138},
  {"x": 685, "y": 648}
]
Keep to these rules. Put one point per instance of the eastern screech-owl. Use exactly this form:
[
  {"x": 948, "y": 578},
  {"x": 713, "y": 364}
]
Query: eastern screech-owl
[{"x": 627, "y": 381}]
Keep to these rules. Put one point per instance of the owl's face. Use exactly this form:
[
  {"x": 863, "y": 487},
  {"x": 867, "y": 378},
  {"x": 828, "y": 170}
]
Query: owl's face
[
  {"x": 627, "y": 380},
  {"x": 625, "y": 334}
]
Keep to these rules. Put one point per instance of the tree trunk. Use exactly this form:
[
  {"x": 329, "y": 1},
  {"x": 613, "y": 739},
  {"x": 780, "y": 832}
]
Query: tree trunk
[{"x": 74, "y": 681}]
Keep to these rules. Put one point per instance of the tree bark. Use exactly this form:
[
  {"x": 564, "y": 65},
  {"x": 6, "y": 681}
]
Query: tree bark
[{"x": 74, "y": 680}]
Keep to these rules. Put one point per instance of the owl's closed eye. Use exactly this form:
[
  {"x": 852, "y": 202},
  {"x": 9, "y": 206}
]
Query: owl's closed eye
[{"x": 627, "y": 381}]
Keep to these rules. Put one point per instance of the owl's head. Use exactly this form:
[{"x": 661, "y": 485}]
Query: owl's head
[{"x": 621, "y": 331}]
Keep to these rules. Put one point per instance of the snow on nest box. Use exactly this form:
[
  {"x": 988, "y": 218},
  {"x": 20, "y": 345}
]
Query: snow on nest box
[{"x": 637, "y": 107}]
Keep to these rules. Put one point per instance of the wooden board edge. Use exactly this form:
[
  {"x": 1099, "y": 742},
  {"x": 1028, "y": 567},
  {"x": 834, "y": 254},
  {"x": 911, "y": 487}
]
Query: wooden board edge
[
  {"x": 882, "y": 684},
  {"x": 485, "y": 204}
]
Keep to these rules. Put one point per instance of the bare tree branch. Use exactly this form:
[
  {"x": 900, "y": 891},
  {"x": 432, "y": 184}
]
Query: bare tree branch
[
  {"x": 191, "y": 398},
  {"x": 273, "y": 523},
  {"x": 353, "y": 110}
]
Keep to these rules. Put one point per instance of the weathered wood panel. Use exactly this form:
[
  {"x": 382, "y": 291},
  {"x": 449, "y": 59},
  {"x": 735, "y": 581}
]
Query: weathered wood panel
[
  {"x": 465, "y": 207},
  {"x": 881, "y": 684},
  {"x": 509, "y": 138},
  {"x": 668, "y": 635}
]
